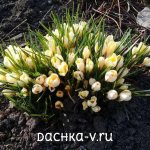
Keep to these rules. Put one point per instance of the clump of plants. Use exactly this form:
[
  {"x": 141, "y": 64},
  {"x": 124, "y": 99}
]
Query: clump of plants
[{"x": 75, "y": 59}]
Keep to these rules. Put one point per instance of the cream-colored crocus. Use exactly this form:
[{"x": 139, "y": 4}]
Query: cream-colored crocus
[
  {"x": 25, "y": 78},
  {"x": 125, "y": 95},
  {"x": 96, "y": 48},
  {"x": 78, "y": 75},
  {"x": 59, "y": 93},
  {"x": 120, "y": 62},
  {"x": 112, "y": 94},
  {"x": 82, "y": 25},
  {"x": 92, "y": 81},
  {"x": 65, "y": 40},
  {"x": 71, "y": 58},
  {"x": 84, "y": 104},
  {"x": 96, "y": 86},
  {"x": 96, "y": 109},
  {"x": 48, "y": 53},
  {"x": 111, "y": 76},
  {"x": 83, "y": 94},
  {"x": 109, "y": 46},
  {"x": 86, "y": 52},
  {"x": 80, "y": 64},
  {"x": 12, "y": 77},
  {"x": 53, "y": 80},
  {"x": 101, "y": 62},
  {"x": 111, "y": 61},
  {"x": 140, "y": 48},
  {"x": 2, "y": 79},
  {"x": 24, "y": 92},
  {"x": 89, "y": 65},
  {"x": 41, "y": 79},
  {"x": 51, "y": 43},
  {"x": 9, "y": 93},
  {"x": 58, "y": 51},
  {"x": 123, "y": 72},
  {"x": 56, "y": 33},
  {"x": 63, "y": 69},
  {"x": 8, "y": 63},
  {"x": 37, "y": 88},
  {"x": 59, "y": 105},
  {"x": 146, "y": 62},
  {"x": 56, "y": 60},
  {"x": 92, "y": 102},
  {"x": 30, "y": 62},
  {"x": 71, "y": 37}
]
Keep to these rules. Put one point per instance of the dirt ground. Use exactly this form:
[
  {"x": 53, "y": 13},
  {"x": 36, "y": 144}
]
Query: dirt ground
[{"x": 128, "y": 122}]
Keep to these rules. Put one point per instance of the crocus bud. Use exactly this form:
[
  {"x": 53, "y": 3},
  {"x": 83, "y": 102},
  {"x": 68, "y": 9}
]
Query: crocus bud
[
  {"x": 59, "y": 105},
  {"x": 25, "y": 78},
  {"x": 96, "y": 47},
  {"x": 78, "y": 75},
  {"x": 92, "y": 81},
  {"x": 92, "y": 102},
  {"x": 101, "y": 62},
  {"x": 41, "y": 79},
  {"x": 37, "y": 88},
  {"x": 120, "y": 62},
  {"x": 89, "y": 65},
  {"x": 96, "y": 109},
  {"x": 96, "y": 86},
  {"x": 53, "y": 80},
  {"x": 84, "y": 104},
  {"x": 80, "y": 64},
  {"x": 71, "y": 36},
  {"x": 30, "y": 62},
  {"x": 60, "y": 94},
  {"x": 65, "y": 41},
  {"x": 111, "y": 76},
  {"x": 56, "y": 60},
  {"x": 112, "y": 94},
  {"x": 2, "y": 79},
  {"x": 124, "y": 87},
  {"x": 146, "y": 62},
  {"x": 71, "y": 58},
  {"x": 123, "y": 72},
  {"x": 9, "y": 93},
  {"x": 56, "y": 33},
  {"x": 48, "y": 53},
  {"x": 83, "y": 94},
  {"x": 8, "y": 63},
  {"x": 63, "y": 69},
  {"x": 111, "y": 61},
  {"x": 86, "y": 52},
  {"x": 51, "y": 43},
  {"x": 24, "y": 92},
  {"x": 125, "y": 95},
  {"x": 120, "y": 81},
  {"x": 12, "y": 77}
]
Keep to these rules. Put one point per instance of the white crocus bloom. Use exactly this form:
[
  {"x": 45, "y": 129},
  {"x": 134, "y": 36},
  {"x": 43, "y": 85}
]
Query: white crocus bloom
[
  {"x": 51, "y": 43},
  {"x": 86, "y": 52},
  {"x": 37, "y": 88},
  {"x": 25, "y": 78},
  {"x": 89, "y": 65},
  {"x": 83, "y": 94},
  {"x": 41, "y": 79},
  {"x": 111, "y": 61},
  {"x": 30, "y": 62},
  {"x": 56, "y": 60},
  {"x": 96, "y": 86},
  {"x": 92, "y": 81},
  {"x": 80, "y": 64},
  {"x": 96, "y": 109},
  {"x": 146, "y": 62},
  {"x": 56, "y": 33},
  {"x": 2, "y": 79},
  {"x": 59, "y": 105},
  {"x": 53, "y": 80},
  {"x": 63, "y": 68},
  {"x": 111, "y": 76},
  {"x": 92, "y": 102},
  {"x": 8, "y": 63},
  {"x": 112, "y": 94},
  {"x": 125, "y": 95},
  {"x": 82, "y": 25},
  {"x": 12, "y": 77},
  {"x": 71, "y": 58},
  {"x": 78, "y": 75},
  {"x": 24, "y": 92},
  {"x": 71, "y": 36},
  {"x": 48, "y": 53},
  {"x": 65, "y": 40},
  {"x": 9, "y": 93},
  {"x": 101, "y": 62}
]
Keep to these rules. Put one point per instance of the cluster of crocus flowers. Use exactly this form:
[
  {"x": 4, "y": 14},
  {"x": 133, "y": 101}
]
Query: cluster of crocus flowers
[{"x": 71, "y": 60}]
